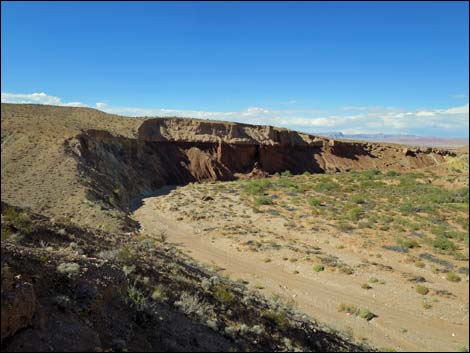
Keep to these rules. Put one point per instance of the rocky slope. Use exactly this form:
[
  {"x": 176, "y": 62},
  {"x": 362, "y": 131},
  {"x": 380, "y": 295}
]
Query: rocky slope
[{"x": 68, "y": 289}]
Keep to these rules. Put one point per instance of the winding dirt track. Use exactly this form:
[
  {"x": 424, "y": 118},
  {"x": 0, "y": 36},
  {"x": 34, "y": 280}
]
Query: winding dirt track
[{"x": 317, "y": 296}]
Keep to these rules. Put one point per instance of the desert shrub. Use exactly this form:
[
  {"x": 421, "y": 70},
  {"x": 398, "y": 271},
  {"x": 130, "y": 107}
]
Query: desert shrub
[
  {"x": 366, "y": 314},
  {"x": 136, "y": 298},
  {"x": 68, "y": 268},
  {"x": 459, "y": 256},
  {"x": 420, "y": 264},
  {"x": 462, "y": 236},
  {"x": 392, "y": 173},
  {"x": 407, "y": 180},
  {"x": 443, "y": 243},
  {"x": 128, "y": 269},
  {"x": 6, "y": 233},
  {"x": 370, "y": 174},
  {"x": 190, "y": 304},
  {"x": 407, "y": 208},
  {"x": 325, "y": 186},
  {"x": 453, "y": 277},
  {"x": 288, "y": 184},
  {"x": 423, "y": 290},
  {"x": 355, "y": 213},
  {"x": 125, "y": 255},
  {"x": 286, "y": 173},
  {"x": 352, "y": 309},
  {"x": 407, "y": 243},
  {"x": 373, "y": 280},
  {"x": 160, "y": 293},
  {"x": 365, "y": 286},
  {"x": 348, "y": 308},
  {"x": 312, "y": 201},
  {"x": 358, "y": 198},
  {"x": 318, "y": 268},
  {"x": 162, "y": 235},
  {"x": 19, "y": 219},
  {"x": 263, "y": 200},
  {"x": 278, "y": 317},
  {"x": 256, "y": 187},
  {"x": 346, "y": 270},
  {"x": 223, "y": 294}
]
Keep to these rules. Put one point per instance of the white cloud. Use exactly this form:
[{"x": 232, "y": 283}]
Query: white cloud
[
  {"x": 37, "y": 98},
  {"x": 451, "y": 120},
  {"x": 101, "y": 105}
]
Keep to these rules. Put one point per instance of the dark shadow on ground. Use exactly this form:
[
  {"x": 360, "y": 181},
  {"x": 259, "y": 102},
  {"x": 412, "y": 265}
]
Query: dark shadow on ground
[{"x": 139, "y": 201}]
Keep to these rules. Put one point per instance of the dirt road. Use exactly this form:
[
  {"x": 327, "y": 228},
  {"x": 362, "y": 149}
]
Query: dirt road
[{"x": 400, "y": 324}]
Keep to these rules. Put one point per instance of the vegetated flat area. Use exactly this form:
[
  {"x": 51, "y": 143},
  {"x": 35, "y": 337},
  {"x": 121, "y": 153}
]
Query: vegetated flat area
[{"x": 380, "y": 255}]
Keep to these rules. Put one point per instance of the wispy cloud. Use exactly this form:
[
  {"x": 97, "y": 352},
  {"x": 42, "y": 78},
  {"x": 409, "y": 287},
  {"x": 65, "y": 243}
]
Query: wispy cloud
[
  {"x": 445, "y": 121},
  {"x": 38, "y": 98}
]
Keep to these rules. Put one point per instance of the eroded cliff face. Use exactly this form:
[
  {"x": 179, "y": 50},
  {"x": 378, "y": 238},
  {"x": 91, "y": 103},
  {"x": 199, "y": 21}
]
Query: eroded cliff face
[{"x": 179, "y": 151}]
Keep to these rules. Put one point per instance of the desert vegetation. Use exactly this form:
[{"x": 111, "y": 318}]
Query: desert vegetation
[{"x": 381, "y": 232}]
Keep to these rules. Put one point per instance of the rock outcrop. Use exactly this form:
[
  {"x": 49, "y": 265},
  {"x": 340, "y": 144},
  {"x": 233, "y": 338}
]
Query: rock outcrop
[{"x": 172, "y": 151}]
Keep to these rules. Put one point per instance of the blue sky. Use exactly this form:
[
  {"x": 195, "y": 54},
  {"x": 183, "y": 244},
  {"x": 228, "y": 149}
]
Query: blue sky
[{"x": 397, "y": 67}]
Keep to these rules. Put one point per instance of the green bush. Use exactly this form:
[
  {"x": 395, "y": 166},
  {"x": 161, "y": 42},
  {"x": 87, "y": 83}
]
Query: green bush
[
  {"x": 257, "y": 187},
  {"x": 223, "y": 294},
  {"x": 355, "y": 213},
  {"x": 443, "y": 243},
  {"x": 352, "y": 309},
  {"x": 19, "y": 219},
  {"x": 318, "y": 268},
  {"x": 366, "y": 314},
  {"x": 423, "y": 290},
  {"x": 407, "y": 243},
  {"x": 325, "y": 186},
  {"x": 312, "y": 201},
  {"x": 370, "y": 174},
  {"x": 357, "y": 198},
  {"x": 407, "y": 208},
  {"x": 348, "y": 308},
  {"x": 278, "y": 317},
  {"x": 453, "y": 277},
  {"x": 392, "y": 173},
  {"x": 263, "y": 200}
]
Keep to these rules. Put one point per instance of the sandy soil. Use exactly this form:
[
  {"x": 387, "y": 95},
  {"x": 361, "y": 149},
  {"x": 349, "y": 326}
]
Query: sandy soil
[{"x": 402, "y": 323}]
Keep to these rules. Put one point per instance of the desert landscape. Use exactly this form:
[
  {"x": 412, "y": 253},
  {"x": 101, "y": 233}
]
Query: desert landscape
[
  {"x": 328, "y": 244},
  {"x": 231, "y": 176}
]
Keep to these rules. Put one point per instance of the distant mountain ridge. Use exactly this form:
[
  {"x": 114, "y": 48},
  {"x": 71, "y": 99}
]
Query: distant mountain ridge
[{"x": 431, "y": 141}]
